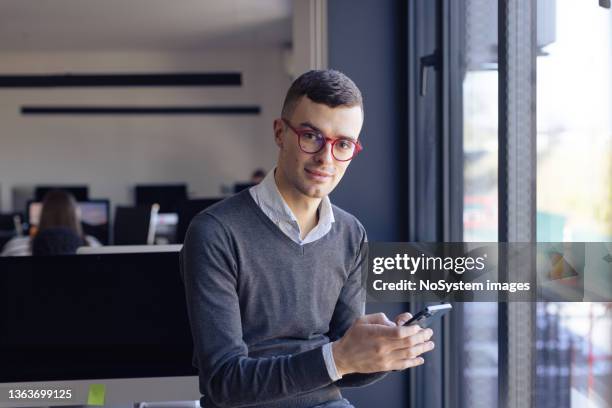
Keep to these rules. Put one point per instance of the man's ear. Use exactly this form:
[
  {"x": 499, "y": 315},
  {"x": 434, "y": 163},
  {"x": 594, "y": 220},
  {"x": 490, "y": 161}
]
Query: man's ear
[{"x": 279, "y": 130}]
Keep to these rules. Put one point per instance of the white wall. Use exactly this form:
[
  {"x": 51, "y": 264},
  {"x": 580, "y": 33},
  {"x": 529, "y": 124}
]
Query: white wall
[{"x": 112, "y": 153}]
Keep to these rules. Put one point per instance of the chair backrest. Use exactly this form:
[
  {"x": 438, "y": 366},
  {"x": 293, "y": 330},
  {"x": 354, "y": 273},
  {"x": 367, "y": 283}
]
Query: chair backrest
[
  {"x": 7, "y": 222},
  {"x": 189, "y": 209},
  {"x": 10, "y": 226},
  {"x": 56, "y": 241},
  {"x": 135, "y": 225}
]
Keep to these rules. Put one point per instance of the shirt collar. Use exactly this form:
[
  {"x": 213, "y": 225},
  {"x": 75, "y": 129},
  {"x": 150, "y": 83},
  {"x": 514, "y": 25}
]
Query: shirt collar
[{"x": 271, "y": 198}]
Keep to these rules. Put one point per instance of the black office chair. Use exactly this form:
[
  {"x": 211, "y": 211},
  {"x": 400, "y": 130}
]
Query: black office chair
[
  {"x": 189, "y": 209},
  {"x": 10, "y": 226},
  {"x": 135, "y": 225},
  {"x": 56, "y": 241}
]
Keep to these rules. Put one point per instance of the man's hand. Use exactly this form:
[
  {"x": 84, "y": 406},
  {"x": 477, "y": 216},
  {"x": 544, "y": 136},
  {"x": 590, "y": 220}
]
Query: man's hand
[{"x": 374, "y": 343}]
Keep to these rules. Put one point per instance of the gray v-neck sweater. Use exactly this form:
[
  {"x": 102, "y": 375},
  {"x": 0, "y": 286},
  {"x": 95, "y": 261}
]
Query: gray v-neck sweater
[{"x": 261, "y": 306}]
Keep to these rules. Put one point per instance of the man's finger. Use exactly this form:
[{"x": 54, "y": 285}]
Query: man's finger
[
  {"x": 408, "y": 331},
  {"x": 412, "y": 352},
  {"x": 409, "y": 336},
  {"x": 403, "y": 318},
  {"x": 419, "y": 337},
  {"x": 391, "y": 336},
  {"x": 377, "y": 318},
  {"x": 407, "y": 363},
  {"x": 395, "y": 337}
]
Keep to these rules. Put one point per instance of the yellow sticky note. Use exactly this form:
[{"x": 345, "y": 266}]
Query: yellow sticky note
[{"x": 96, "y": 394}]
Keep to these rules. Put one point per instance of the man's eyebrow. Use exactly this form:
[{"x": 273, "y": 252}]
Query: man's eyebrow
[
  {"x": 313, "y": 127},
  {"x": 310, "y": 125}
]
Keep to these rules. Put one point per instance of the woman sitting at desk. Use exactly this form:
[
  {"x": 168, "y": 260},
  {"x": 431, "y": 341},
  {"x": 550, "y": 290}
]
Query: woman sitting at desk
[{"x": 59, "y": 230}]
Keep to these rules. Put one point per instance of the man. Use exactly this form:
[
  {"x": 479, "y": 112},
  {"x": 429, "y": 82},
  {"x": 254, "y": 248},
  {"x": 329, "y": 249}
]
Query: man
[{"x": 273, "y": 274}]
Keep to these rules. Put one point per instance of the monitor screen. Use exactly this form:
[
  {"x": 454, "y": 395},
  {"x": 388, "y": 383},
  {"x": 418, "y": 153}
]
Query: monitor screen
[
  {"x": 76, "y": 317},
  {"x": 168, "y": 196},
  {"x": 80, "y": 193},
  {"x": 238, "y": 187},
  {"x": 94, "y": 217},
  {"x": 188, "y": 210}
]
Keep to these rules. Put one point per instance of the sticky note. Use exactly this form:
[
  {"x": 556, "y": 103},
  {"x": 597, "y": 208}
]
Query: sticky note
[{"x": 96, "y": 394}]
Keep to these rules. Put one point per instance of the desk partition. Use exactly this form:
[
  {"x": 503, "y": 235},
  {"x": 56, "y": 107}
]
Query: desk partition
[{"x": 98, "y": 316}]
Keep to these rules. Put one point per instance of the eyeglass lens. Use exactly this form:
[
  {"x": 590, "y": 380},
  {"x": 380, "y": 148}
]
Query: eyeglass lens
[{"x": 312, "y": 142}]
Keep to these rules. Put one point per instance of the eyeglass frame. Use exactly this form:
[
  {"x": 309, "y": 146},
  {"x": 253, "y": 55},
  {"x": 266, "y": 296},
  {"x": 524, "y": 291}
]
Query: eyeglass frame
[{"x": 300, "y": 132}]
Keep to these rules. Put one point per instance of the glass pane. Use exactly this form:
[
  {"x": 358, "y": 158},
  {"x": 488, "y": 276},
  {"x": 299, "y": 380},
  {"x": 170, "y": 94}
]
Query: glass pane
[
  {"x": 480, "y": 348},
  {"x": 574, "y": 145},
  {"x": 480, "y": 155},
  {"x": 574, "y": 189},
  {"x": 573, "y": 367}
]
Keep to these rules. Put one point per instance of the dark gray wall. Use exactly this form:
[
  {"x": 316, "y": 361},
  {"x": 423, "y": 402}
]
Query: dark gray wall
[{"x": 366, "y": 41}]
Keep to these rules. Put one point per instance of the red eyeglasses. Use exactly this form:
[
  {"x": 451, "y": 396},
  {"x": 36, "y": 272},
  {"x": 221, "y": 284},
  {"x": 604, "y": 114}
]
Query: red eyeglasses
[{"x": 313, "y": 141}]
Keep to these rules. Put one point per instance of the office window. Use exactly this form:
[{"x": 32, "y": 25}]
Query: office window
[
  {"x": 480, "y": 155},
  {"x": 479, "y": 383},
  {"x": 574, "y": 190},
  {"x": 480, "y": 122},
  {"x": 574, "y": 145}
]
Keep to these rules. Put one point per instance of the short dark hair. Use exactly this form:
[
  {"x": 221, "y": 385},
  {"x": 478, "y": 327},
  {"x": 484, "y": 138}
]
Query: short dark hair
[{"x": 329, "y": 87}]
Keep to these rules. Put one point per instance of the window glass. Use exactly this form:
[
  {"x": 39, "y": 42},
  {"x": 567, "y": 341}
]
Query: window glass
[
  {"x": 479, "y": 382},
  {"x": 574, "y": 193}
]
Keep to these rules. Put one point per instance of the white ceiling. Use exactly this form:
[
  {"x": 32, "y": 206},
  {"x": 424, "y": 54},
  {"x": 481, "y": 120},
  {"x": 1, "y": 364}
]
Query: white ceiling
[{"x": 67, "y": 25}]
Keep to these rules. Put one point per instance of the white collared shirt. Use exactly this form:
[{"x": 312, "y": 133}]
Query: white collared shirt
[{"x": 271, "y": 202}]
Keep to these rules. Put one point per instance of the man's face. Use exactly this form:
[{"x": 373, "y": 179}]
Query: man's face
[{"x": 315, "y": 175}]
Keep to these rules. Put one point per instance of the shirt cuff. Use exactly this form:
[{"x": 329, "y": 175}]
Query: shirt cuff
[{"x": 328, "y": 356}]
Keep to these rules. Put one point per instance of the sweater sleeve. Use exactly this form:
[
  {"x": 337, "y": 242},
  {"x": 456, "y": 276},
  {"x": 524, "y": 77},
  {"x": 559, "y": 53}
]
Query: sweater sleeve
[
  {"x": 228, "y": 377},
  {"x": 350, "y": 306}
]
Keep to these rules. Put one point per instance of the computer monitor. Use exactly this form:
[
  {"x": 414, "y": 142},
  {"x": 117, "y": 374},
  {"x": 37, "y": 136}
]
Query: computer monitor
[
  {"x": 96, "y": 317},
  {"x": 94, "y": 217},
  {"x": 168, "y": 196},
  {"x": 80, "y": 193},
  {"x": 189, "y": 209},
  {"x": 238, "y": 187}
]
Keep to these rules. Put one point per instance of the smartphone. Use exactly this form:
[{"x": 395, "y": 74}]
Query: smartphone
[{"x": 428, "y": 315}]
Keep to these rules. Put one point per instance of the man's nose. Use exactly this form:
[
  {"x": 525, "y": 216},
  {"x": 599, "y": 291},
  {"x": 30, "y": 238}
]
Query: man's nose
[{"x": 325, "y": 154}]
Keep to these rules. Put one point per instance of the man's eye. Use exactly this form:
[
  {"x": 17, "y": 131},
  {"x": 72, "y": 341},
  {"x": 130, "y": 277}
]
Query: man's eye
[
  {"x": 345, "y": 145},
  {"x": 310, "y": 136}
]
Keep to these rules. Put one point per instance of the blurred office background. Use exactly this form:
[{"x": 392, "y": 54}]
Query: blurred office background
[{"x": 432, "y": 73}]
